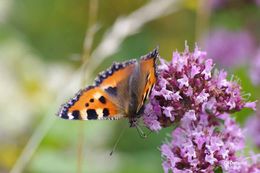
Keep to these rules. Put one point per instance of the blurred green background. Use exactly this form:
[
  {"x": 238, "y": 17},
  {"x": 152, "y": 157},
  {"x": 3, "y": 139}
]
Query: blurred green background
[{"x": 41, "y": 50}]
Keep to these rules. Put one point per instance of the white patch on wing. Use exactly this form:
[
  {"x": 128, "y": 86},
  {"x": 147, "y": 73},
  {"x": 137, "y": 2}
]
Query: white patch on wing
[
  {"x": 97, "y": 95},
  {"x": 84, "y": 114},
  {"x": 100, "y": 113},
  {"x": 70, "y": 116}
]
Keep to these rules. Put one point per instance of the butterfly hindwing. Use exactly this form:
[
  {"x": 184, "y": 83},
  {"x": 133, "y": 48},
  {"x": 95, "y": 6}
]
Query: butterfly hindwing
[{"x": 148, "y": 70}]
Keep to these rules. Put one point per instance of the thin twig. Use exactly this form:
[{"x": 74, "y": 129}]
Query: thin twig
[
  {"x": 90, "y": 33},
  {"x": 129, "y": 25},
  {"x": 34, "y": 141},
  {"x": 43, "y": 128},
  {"x": 81, "y": 141},
  {"x": 202, "y": 21}
]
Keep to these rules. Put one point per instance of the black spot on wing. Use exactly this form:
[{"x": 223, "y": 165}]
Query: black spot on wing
[
  {"x": 91, "y": 100},
  {"x": 76, "y": 115},
  {"x": 147, "y": 93},
  {"x": 102, "y": 99},
  {"x": 150, "y": 90},
  {"x": 92, "y": 114},
  {"x": 111, "y": 90},
  {"x": 145, "y": 96},
  {"x": 63, "y": 112},
  {"x": 105, "y": 112},
  {"x": 87, "y": 104}
]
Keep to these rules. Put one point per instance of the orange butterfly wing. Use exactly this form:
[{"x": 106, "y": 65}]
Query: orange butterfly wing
[
  {"x": 108, "y": 98},
  {"x": 148, "y": 68},
  {"x": 98, "y": 101}
]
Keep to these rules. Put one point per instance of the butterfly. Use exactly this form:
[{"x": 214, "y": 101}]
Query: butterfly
[{"x": 118, "y": 92}]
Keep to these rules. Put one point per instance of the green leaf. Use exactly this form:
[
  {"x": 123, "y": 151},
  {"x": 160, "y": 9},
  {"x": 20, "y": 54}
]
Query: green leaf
[{"x": 218, "y": 170}]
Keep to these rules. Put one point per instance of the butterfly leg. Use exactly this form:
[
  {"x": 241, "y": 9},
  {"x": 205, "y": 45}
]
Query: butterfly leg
[
  {"x": 134, "y": 123},
  {"x": 141, "y": 133}
]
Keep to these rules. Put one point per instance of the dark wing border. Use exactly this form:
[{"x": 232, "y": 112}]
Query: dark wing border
[
  {"x": 115, "y": 67},
  {"x": 63, "y": 112}
]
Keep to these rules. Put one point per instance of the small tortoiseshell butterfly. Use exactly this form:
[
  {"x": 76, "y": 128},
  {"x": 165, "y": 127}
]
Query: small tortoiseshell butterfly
[{"x": 118, "y": 92}]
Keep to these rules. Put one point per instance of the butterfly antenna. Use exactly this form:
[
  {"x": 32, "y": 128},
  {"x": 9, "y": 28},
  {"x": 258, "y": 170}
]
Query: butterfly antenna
[{"x": 117, "y": 141}]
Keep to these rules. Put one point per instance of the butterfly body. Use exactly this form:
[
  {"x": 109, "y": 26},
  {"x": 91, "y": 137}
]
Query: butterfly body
[{"x": 118, "y": 92}]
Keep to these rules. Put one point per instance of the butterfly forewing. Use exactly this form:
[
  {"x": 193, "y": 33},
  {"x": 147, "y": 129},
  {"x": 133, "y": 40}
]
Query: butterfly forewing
[
  {"x": 103, "y": 100},
  {"x": 92, "y": 103},
  {"x": 115, "y": 74}
]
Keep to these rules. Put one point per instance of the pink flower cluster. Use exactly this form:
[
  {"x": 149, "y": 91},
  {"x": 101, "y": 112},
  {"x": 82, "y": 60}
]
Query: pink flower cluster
[
  {"x": 188, "y": 84},
  {"x": 204, "y": 144},
  {"x": 229, "y": 48},
  {"x": 253, "y": 129},
  {"x": 255, "y": 69},
  {"x": 220, "y": 4},
  {"x": 198, "y": 101}
]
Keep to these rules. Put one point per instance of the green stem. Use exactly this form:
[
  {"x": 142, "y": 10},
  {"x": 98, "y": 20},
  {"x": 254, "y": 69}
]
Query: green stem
[
  {"x": 93, "y": 11},
  {"x": 202, "y": 21}
]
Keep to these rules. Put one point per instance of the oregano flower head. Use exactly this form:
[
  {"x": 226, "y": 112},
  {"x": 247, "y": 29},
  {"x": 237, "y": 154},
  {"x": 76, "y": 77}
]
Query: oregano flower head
[
  {"x": 189, "y": 84},
  {"x": 204, "y": 144},
  {"x": 198, "y": 99}
]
